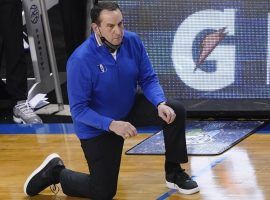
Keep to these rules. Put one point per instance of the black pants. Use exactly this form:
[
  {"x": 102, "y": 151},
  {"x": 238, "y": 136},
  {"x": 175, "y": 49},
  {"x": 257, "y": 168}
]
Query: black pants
[
  {"x": 103, "y": 153},
  {"x": 12, "y": 48},
  {"x": 74, "y": 20}
]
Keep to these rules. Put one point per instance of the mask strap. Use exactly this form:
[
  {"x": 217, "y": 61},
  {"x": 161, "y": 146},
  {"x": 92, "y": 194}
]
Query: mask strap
[{"x": 112, "y": 48}]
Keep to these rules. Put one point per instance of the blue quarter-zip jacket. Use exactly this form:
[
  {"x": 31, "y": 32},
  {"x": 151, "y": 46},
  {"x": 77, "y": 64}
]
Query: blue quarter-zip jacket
[{"x": 102, "y": 89}]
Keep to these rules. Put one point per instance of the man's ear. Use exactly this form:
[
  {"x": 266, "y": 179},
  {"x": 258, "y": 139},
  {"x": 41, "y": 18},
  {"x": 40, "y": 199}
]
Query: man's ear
[{"x": 94, "y": 27}]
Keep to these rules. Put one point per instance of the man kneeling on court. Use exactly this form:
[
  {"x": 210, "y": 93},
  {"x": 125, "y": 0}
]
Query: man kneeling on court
[{"x": 102, "y": 77}]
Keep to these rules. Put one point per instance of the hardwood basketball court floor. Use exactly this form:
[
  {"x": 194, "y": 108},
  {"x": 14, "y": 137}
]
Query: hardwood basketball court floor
[{"x": 242, "y": 172}]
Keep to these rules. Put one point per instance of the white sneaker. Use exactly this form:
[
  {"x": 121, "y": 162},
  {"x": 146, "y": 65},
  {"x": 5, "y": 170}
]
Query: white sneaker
[{"x": 23, "y": 113}]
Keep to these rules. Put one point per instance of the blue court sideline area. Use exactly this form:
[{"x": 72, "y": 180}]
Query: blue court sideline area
[
  {"x": 58, "y": 128},
  {"x": 67, "y": 128}
]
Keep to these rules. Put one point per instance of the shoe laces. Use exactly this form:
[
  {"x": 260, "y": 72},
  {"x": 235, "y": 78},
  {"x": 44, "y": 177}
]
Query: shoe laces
[
  {"x": 180, "y": 173},
  {"x": 55, "y": 189},
  {"x": 26, "y": 109}
]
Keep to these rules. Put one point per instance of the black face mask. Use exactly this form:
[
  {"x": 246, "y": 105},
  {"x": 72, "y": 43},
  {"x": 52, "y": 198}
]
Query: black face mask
[{"x": 112, "y": 48}]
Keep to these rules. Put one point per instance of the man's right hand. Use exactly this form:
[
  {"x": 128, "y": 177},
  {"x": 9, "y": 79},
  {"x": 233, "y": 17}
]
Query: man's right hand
[{"x": 123, "y": 129}]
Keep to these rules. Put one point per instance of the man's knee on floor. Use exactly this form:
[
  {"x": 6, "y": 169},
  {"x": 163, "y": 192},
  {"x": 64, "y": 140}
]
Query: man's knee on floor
[{"x": 102, "y": 194}]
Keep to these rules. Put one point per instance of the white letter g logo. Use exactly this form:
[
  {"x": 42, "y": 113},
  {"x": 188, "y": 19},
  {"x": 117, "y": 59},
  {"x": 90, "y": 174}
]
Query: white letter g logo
[{"x": 223, "y": 55}]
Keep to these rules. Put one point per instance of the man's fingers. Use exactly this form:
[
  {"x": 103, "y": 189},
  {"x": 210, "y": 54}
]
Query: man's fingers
[
  {"x": 168, "y": 115},
  {"x": 134, "y": 131},
  {"x": 163, "y": 116},
  {"x": 130, "y": 131},
  {"x": 126, "y": 136},
  {"x": 173, "y": 115}
]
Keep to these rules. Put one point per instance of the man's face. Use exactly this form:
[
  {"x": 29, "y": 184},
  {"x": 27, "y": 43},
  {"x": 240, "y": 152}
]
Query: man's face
[{"x": 111, "y": 26}]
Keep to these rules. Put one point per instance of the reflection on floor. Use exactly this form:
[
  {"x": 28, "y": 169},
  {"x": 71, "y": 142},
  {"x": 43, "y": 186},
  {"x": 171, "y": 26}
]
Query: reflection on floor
[{"x": 240, "y": 173}]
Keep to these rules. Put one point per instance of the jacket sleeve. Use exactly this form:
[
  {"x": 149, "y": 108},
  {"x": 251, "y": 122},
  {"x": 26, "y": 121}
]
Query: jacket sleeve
[
  {"x": 79, "y": 86},
  {"x": 148, "y": 79}
]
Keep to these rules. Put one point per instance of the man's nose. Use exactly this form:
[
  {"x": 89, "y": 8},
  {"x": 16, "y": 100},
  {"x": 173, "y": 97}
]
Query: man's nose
[{"x": 118, "y": 30}]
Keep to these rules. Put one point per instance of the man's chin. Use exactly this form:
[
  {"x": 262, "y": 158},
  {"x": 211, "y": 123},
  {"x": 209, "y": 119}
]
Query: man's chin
[{"x": 117, "y": 42}]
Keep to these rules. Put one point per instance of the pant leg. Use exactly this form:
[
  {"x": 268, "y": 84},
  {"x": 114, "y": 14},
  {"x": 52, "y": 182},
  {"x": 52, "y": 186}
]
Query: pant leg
[
  {"x": 11, "y": 32},
  {"x": 144, "y": 113},
  {"x": 103, "y": 155},
  {"x": 175, "y": 134},
  {"x": 74, "y": 22}
]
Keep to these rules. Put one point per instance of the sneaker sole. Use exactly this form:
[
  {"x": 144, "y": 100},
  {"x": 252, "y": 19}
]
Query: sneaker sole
[
  {"x": 18, "y": 120},
  {"x": 45, "y": 162},
  {"x": 183, "y": 191}
]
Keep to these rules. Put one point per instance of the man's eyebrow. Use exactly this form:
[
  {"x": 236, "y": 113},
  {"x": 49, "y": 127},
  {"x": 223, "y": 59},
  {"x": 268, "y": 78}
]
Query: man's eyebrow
[{"x": 110, "y": 24}]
